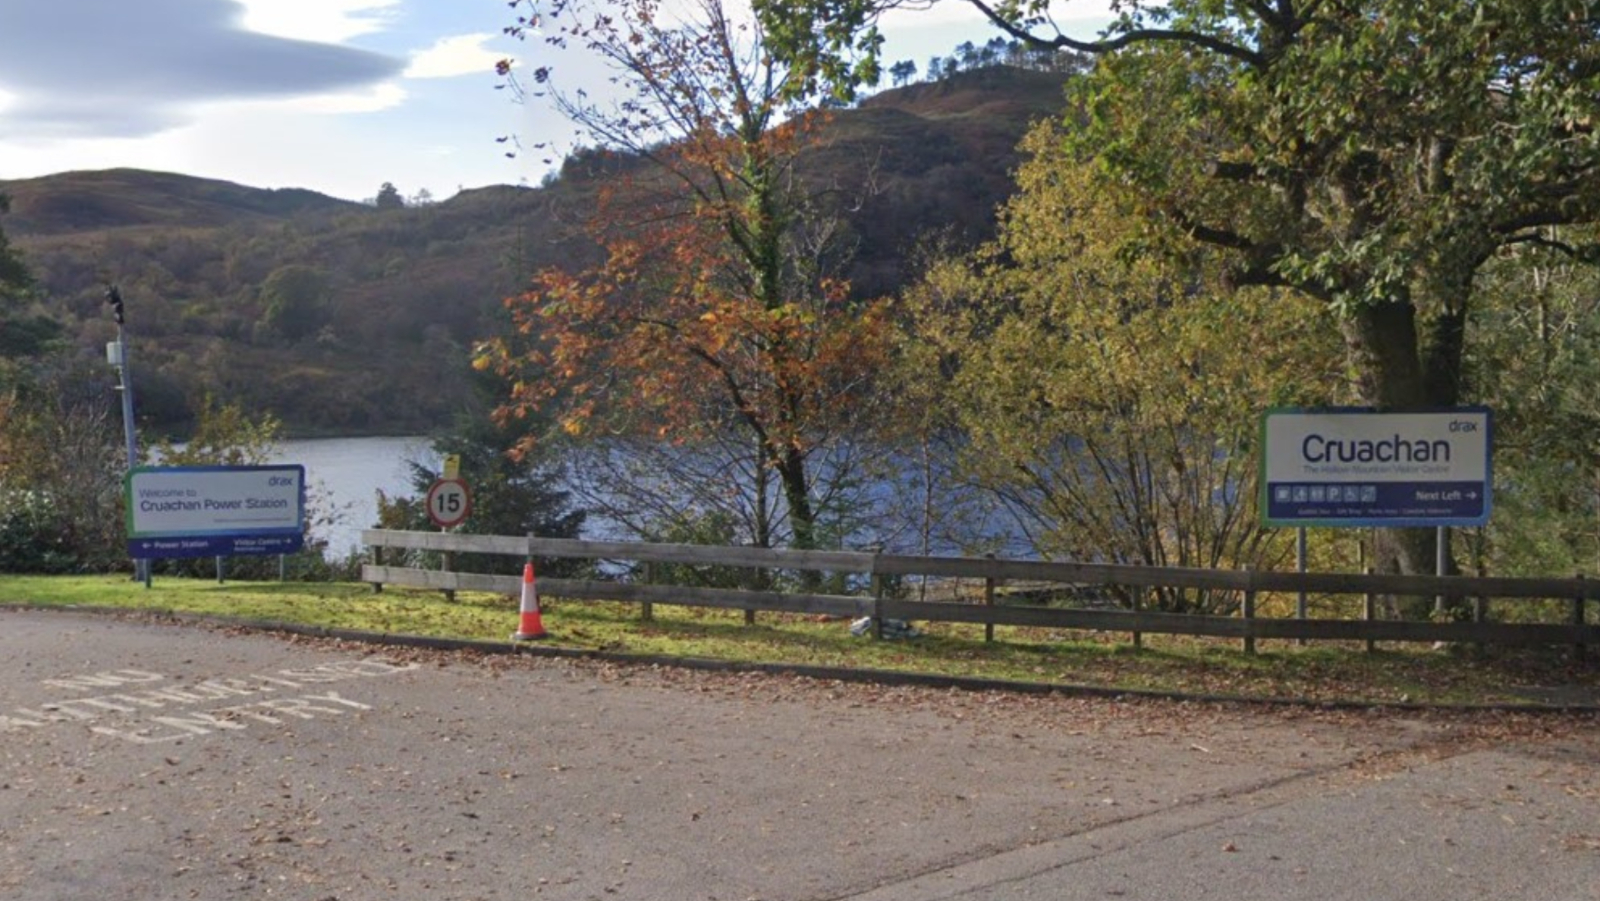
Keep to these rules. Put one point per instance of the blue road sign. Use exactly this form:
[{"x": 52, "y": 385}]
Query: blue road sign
[
  {"x": 215, "y": 511},
  {"x": 1365, "y": 468}
]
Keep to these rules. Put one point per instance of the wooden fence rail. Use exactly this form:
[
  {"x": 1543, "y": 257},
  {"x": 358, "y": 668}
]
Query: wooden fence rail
[{"x": 1575, "y": 631}]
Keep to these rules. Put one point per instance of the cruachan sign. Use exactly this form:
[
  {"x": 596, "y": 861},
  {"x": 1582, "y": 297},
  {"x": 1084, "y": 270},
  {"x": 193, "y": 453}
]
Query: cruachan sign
[
  {"x": 215, "y": 511},
  {"x": 1363, "y": 468}
]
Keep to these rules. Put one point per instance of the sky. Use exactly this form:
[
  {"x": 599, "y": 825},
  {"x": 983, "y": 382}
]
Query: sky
[{"x": 338, "y": 96}]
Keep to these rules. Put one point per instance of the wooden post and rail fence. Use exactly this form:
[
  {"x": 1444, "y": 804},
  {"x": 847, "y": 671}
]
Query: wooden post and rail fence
[{"x": 1575, "y": 630}]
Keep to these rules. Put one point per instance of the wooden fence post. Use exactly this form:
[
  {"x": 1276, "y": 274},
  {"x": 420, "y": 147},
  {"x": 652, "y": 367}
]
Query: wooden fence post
[
  {"x": 1249, "y": 611},
  {"x": 544, "y": 604},
  {"x": 647, "y": 610},
  {"x": 749, "y": 613},
  {"x": 1480, "y": 606},
  {"x": 449, "y": 565},
  {"x": 1579, "y": 649},
  {"x": 1370, "y": 614},
  {"x": 1138, "y": 637},
  {"x": 988, "y": 601},
  {"x": 877, "y": 596}
]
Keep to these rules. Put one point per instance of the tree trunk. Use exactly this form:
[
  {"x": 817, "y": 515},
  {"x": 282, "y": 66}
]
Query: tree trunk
[
  {"x": 1384, "y": 350},
  {"x": 791, "y": 465},
  {"x": 1386, "y": 356},
  {"x": 1441, "y": 360},
  {"x": 761, "y": 579}
]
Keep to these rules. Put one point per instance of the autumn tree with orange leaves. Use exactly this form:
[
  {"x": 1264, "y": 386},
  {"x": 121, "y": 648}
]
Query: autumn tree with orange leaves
[{"x": 713, "y": 311}]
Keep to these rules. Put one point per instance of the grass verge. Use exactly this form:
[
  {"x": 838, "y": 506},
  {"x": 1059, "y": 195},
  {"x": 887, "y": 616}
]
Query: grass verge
[{"x": 1331, "y": 673}]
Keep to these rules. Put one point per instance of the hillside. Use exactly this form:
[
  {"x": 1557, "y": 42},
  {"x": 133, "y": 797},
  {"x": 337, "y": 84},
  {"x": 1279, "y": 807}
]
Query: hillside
[
  {"x": 345, "y": 319},
  {"x": 118, "y": 198}
]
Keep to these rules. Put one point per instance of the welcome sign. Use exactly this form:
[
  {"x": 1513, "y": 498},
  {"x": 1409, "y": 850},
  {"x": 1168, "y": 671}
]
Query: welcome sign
[
  {"x": 1364, "y": 468},
  {"x": 215, "y": 511}
]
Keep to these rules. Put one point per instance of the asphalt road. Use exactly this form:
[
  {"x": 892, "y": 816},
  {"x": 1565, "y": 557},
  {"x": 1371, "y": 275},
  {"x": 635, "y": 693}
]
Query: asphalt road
[{"x": 142, "y": 760}]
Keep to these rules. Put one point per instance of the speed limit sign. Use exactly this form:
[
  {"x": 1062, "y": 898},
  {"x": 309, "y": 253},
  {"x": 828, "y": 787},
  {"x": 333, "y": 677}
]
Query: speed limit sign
[{"x": 449, "y": 502}]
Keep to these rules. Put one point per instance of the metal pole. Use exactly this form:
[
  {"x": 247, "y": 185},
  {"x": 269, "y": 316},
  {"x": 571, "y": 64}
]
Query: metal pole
[
  {"x": 125, "y": 385},
  {"x": 1441, "y": 556},
  {"x": 1248, "y": 611},
  {"x": 988, "y": 601},
  {"x": 1579, "y": 649}
]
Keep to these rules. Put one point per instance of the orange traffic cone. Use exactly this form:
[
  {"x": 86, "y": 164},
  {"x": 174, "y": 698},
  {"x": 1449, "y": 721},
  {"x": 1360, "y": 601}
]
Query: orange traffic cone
[{"x": 531, "y": 626}]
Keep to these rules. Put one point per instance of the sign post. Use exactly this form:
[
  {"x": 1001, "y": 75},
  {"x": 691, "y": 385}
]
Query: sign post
[{"x": 449, "y": 504}]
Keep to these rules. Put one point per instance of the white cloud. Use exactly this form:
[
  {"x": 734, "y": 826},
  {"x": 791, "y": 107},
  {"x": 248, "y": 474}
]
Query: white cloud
[
  {"x": 376, "y": 98},
  {"x": 450, "y": 57},
  {"x": 138, "y": 69},
  {"x": 328, "y": 21}
]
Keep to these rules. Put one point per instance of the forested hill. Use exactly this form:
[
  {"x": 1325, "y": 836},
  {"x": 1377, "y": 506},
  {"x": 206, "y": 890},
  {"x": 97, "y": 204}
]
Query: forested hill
[
  {"x": 120, "y": 198},
  {"x": 347, "y": 318}
]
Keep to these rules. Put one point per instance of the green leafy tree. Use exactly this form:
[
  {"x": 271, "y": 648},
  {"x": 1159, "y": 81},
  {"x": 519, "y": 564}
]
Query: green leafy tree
[
  {"x": 25, "y": 331},
  {"x": 295, "y": 301},
  {"x": 59, "y": 501},
  {"x": 61, "y": 466},
  {"x": 224, "y": 435},
  {"x": 1538, "y": 362},
  {"x": 1374, "y": 155},
  {"x": 14, "y": 276},
  {"x": 1110, "y": 401},
  {"x": 389, "y": 197}
]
